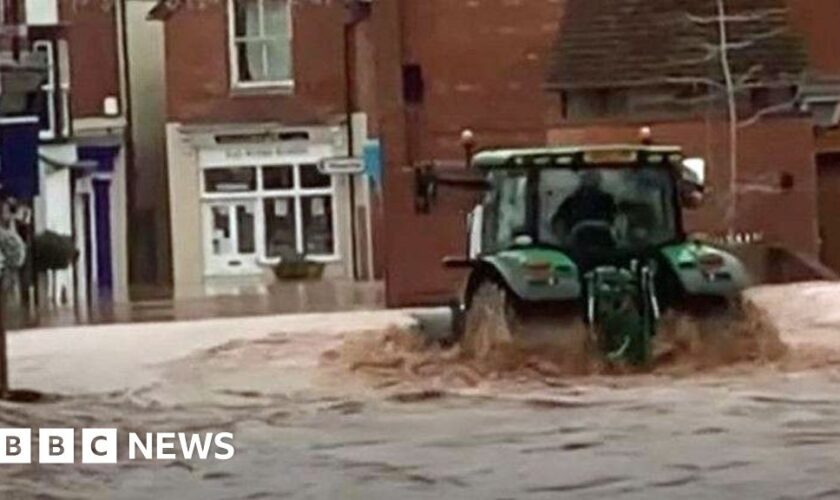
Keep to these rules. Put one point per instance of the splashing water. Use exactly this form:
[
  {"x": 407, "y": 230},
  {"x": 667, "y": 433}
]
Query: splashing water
[{"x": 684, "y": 346}]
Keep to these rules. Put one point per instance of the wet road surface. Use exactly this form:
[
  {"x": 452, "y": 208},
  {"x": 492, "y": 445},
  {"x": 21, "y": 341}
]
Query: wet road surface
[{"x": 279, "y": 298}]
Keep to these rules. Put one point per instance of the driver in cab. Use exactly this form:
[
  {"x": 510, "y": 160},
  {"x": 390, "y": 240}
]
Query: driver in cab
[{"x": 588, "y": 204}]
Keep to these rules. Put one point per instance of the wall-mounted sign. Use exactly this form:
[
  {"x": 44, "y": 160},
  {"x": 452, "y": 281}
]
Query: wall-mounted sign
[
  {"x": 339, "y": 166},
  {"x": 262, "y": 154}
]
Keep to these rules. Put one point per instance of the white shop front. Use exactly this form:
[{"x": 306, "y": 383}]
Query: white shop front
[{"x": 261, "y": 203}]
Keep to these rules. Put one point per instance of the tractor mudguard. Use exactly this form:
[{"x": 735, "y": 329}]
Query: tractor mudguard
[
  {"x": 533, "y": 274},
  {"x": 706, "y": 270}
]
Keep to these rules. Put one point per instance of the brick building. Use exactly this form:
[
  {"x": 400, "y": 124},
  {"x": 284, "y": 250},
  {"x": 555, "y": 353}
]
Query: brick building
[
  {"x": 442, "y": 66},
  {"x": 80, "y": 111},
  {"x": 250, "y": 116},
  {"x": 662, "y": 72},
  {"x": 438, "y": 67}
]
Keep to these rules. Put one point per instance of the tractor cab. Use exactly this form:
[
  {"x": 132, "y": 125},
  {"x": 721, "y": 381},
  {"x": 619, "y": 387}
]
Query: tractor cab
[{"x": 599, "y": 205}]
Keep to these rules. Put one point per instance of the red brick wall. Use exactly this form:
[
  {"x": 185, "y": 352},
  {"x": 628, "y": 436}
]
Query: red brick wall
[
  {"x": 198, "y": 80},
  {"x": 94, "y": 56},
  {"x": 484, "y": 63},
  {"x": 766, "y": 151},
  {"x": 818, "y": 20}
]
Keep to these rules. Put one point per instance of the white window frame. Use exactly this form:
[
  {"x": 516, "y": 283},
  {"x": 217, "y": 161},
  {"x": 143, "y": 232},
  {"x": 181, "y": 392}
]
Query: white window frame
[
  {"x": 56, "y": 88},
  {"x": 233, "y": 54},
  {"x": 297, "y": 193},
  {"x": 63, "y": 53},
  {"x": 49, "y": 89}
]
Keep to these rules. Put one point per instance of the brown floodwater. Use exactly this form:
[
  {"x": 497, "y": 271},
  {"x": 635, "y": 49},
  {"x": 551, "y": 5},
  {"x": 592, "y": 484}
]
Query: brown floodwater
[{"x": 388, "y": 414}]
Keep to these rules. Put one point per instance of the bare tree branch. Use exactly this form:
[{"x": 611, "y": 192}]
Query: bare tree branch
[
  {"x": 753, "y": 70},
  {"x": 758, "y": 115},
  {"x": 732, "y": 109},
  {"x": 751, "y": 17},
  {"x": 695, "y": 80},
  {"x": 759, "y": 37}
]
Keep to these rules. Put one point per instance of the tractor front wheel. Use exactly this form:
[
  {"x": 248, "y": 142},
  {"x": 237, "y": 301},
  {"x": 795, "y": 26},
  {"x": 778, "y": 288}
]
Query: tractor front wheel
[{"x": 488, "y": 322}]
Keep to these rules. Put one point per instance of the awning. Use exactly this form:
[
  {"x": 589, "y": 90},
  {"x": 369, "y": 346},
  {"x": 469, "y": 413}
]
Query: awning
[{"x": 19, "y": 157}]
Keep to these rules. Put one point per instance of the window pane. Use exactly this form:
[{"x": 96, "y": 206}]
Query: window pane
[
  {"x": 280, "y": 239},
  {"x": 44, "y": 100},
  {"x": 230, "y": 180},
  {"x": 246, "y": 18},
  {"x": 506, "y": 207},
  {"x": 633, "y": 206},
  {"x": 45, "y": 104},
  {"x": 310, "y": 177},
  {"x": 245, "y": 229},
  {"x": 277, "y": 30},
  {"x": 279, "y": 177},
  {"x": 279, "y": 60},
  {"x": 251, "y": 62},
  {"x": 276, "y": 18},
  {"x": 318, "y": 225},
  {"x": 221, "y": 237}
]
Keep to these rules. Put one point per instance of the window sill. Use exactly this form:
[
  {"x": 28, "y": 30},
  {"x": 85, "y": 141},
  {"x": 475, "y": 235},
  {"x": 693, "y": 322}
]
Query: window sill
[
  {"x": 262, "y": 89},
  {"x": 323, "y": 259}
]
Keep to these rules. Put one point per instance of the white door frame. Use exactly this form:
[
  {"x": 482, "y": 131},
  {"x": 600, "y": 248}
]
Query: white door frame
[{"x": 234, "y": 263}]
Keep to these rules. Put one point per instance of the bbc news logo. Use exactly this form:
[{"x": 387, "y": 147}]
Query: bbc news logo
[{"x": 101, "y": 446}]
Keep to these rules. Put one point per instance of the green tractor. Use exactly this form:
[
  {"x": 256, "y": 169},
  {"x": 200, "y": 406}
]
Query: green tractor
[{"x": 586, "y": 239}]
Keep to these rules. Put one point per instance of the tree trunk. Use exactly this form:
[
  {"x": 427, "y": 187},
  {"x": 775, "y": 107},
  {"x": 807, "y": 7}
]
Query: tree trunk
[{"x": 732, "y": 111}]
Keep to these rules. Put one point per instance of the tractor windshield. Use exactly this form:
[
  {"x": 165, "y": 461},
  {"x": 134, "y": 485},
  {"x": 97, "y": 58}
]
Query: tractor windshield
[
  {"x": 620, "y": 208},
  {"x": 505, "y": 209}
]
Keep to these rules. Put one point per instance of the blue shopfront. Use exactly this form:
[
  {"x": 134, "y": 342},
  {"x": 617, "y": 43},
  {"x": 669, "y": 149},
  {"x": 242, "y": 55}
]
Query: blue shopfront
[{"x": 97, "y": 206}]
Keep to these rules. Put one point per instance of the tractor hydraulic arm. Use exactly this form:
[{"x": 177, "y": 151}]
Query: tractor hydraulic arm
[{"x": 429, "y": 176}]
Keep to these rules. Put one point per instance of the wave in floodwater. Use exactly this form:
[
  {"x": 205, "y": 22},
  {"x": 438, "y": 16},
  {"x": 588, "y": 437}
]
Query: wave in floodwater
[{"x": 684, "y": 346}]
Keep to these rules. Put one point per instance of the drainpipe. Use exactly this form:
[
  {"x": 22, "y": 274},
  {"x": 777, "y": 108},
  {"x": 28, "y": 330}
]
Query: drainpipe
[
  {"x": 128, "y": 134},
  {"x": 353, "y": 18},
  {"x": 348, "y": 110}
]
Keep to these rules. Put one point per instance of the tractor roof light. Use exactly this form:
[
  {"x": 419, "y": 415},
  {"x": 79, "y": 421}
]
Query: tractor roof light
[
  {"x": 467, "y": 138},
  {"x": 646, "y": 135}
]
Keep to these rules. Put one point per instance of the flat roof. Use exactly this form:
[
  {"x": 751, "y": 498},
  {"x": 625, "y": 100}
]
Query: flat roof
[{"x": 504, "y": 157}]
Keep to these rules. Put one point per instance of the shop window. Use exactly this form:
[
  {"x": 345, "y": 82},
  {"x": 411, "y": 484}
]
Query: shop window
[
  {"x": 300, "y": 221},
  {"x": 261, "y": 48},
  {"x": 280, "y": 227},
  {"x": 278, "y": 177},
  {"x": 318, "y": 225},
  {"x": 311, "y": 177},
  {"x": 230, "y": 180},
  {"x": 293, "y": 214}
]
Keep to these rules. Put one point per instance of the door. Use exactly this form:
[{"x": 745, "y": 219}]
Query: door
[
  {"x": 230, "y": 244},
  {"x": 829, "y": 209},
  {"x": 475, "y": 235}
]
